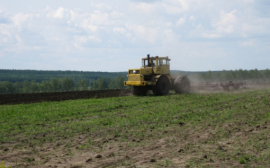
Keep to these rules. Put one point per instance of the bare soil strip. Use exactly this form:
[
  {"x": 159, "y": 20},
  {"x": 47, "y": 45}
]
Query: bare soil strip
[{"x": 60, "y": 96}]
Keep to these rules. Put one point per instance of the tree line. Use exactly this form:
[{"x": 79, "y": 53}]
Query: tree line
[
  {"x": 61, "y": 85},
  {"x": 41, "y": 75},
  {"x": 95, "y": 82},
  {"x": 254, "y": 75}
]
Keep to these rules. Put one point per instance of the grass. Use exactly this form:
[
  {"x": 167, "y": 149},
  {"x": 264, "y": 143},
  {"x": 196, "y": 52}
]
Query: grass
[
  {"x": 208, "y": 129},
  {"x": 2, "y": 165}
]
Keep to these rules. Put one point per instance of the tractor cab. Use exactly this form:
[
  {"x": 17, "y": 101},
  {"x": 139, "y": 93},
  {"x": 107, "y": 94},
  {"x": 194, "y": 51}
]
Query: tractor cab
[{"x": 159, "y": 65}]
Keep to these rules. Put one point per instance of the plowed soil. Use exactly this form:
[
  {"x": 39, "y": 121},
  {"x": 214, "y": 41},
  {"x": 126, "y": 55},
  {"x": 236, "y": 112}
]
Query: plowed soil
[{"x": 60, "y": 96}]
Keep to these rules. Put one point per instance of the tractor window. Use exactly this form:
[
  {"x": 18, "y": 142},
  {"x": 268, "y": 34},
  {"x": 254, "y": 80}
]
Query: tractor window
[
  {"x": 163, "y": 62},
  {"x": 154, "y": 62},
  {"x": 144, "y": 63}
]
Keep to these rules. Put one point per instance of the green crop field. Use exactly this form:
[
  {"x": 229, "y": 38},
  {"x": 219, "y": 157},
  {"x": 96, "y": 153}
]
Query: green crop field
[{"x": 221, "y": 129}]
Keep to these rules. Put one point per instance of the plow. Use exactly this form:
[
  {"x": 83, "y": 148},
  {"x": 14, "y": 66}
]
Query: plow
[
  {"x": 208, "y": 85},
  {"x": 233, "y": 86},
  {"x": 228, "y": 86}
]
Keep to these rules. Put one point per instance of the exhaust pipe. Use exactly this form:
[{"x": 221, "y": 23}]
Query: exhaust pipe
[{"x": 148, "y": 59}]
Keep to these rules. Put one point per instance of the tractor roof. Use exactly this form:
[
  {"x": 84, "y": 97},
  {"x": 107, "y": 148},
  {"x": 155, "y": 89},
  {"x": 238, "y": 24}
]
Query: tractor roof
[{"x": 156, "y": 57}]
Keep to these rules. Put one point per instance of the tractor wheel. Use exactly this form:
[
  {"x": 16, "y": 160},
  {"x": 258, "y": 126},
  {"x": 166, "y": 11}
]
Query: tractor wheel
[
  {"x": 162, "y": 86},
  {"x": 139, "y": 90},
  {"x": 181, "y": 84}
]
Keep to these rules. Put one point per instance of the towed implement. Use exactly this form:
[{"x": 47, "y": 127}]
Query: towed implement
[{"x": 155, "y": 75}]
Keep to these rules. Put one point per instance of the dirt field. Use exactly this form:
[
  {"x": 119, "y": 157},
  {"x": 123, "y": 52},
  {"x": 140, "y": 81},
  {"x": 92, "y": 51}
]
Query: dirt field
[
  {"x": 218, "y": 129},
  {"x": 60, "y": 96}
]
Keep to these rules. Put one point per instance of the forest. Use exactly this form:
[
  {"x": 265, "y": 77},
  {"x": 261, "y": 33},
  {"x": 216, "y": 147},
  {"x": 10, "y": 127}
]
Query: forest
[
  {"x": 254, "y": 75},
  {"x": 41, "y": 75},
  {"x": 34, "y": 81},
  {"x": 61, "y": 85}
]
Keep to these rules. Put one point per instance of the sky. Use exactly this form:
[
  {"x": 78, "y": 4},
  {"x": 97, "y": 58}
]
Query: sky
[{"x": 112, "y": 36}]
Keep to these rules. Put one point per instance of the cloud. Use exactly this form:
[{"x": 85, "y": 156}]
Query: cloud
[
  {"x": 96, "y": 20},
  {"x": 188, "y": 29},
  {"x": 160, "y": 7},
  {"x": 247, "y": 43},
  {"x": 220, "y": 27},
  {"x": 146, "y": 33},
  {"x": 226, "y": 22},
  {"x": 183, "y": 4},
  {"x": 146, "y": 1},
  {"x": 255, "y": 27},
  {"x": 143, "y": 7},
  {"x": 181, "y": 21},
  {"x": 97, "y": 5},
  {"x": 169, "y": 36},
  {"x": 116, "y": 14},
  {"x": 20, "y": 18},
  {"x": 87, "y": 24},
  {"x": 172, "y": 9},
  {"x": 4, "y": 30},
  {"x": 119, "y": 30},
  {"x": 60, "y": 13},
  {"x": 191, "y": 17},
  {"x": 227, "y": 18},
  {"x": 73, "y": 15},
  {"x": 205, "y": 35},
  {"x": 231, "y": 24},
  {"x": 94, "y": 39}
]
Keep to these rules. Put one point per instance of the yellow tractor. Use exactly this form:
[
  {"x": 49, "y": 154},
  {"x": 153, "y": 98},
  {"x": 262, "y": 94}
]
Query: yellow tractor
[{"x": 155, "y": 75}]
